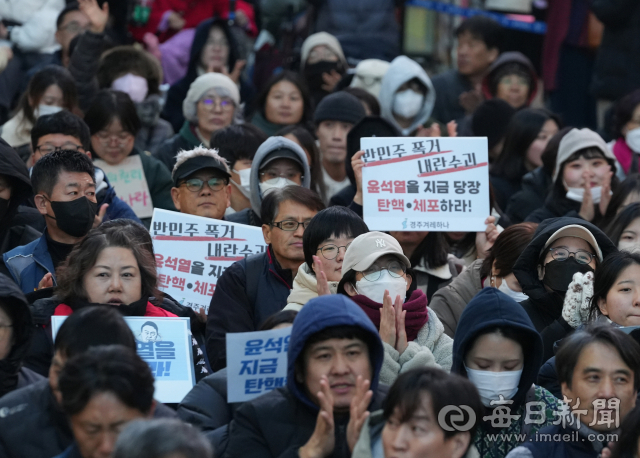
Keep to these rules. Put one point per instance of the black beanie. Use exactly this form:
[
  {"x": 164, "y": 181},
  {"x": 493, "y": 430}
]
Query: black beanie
[
  {"x": 339, "y": 106},
  {"x": 491, "y": 119}
]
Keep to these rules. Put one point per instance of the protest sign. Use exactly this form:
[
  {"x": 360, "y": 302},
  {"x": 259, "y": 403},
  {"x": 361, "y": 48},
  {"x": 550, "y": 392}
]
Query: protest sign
[
  {"x": 130, "y": 183},
  {"x": 192, "y": 252},
  {"x": 256, "y": 363},
  {"x": 425, "y": 184},
  {"x": 166, "y": 345}
]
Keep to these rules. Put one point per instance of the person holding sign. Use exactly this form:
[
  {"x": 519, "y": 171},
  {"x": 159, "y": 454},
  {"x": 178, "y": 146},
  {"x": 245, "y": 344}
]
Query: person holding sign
[
  {"x": 201, "y": 183},
  {"x": 65, "y": 194},
  {"x": 374, "y": 275},
  {"x": 252, "y": 289},
  {"x": 334, "y": 359}
]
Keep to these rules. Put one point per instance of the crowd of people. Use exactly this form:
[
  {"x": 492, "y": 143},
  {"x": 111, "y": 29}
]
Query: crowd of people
[{"x": 520, "y": 341}]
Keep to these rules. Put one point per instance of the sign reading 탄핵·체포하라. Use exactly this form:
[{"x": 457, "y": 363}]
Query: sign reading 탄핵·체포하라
[
  {"x": 192, "y": 252},
  {"x": 425, "y": 184}
]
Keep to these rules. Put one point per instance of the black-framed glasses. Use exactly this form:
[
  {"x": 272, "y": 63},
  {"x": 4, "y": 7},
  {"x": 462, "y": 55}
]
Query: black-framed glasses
[
  {"x": 395, "y": 268},
  {"x": 196, "y": 184},
  {"x": 46, "y": 149},
  {"x": 290, "y": 225},
  {"x": 581, "y": 256},
  {"x": 330, "y": 251}
]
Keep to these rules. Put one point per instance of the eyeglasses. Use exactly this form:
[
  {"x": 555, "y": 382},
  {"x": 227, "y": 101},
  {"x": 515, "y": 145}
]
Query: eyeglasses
[
  {"x": 562, "y": 254},
  {"x": 221, "y": 43},
  {"x": 331, "y": 251},
  {"x": 272, "y": 174},
  {"x": 49, "y": 148},
  {"x": 224, "y": 104},
  {"x": 290, "y": 225},
  {"x": 122, "y": 138},
  {"x": 396, "y": 269},
  {"x": 196, "y": 184}
]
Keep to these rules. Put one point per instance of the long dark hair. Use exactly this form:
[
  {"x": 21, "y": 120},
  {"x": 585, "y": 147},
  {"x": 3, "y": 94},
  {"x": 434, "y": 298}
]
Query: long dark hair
[
  {"x": 621, "y": 222},
  {"x": 522, "y": 130},
  {"x": 606, "y": 275},
  {"x": 40, "y": 82},
  {"x": 507, "y": 248},
  {"x": 109, "y": 105},
  {"x": 627, "y": 443},
  {"x": 293, "y": 78},
  {"x": 624, "y": 112},
  {"x": 630, "y": 185},
  {"x": 433, "y": 250}
]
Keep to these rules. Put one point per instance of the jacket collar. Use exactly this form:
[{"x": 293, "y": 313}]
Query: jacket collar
[{"x": 285, "y": 275}]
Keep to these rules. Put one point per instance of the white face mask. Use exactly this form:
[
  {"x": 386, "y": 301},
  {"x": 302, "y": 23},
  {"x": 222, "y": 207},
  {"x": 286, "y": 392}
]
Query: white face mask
[
  {"x": 633, "y": 139},
  {"x": 491, "y": 385},
  {"x": 245, "y": 182},
  {"x": 517, "y": 296},
  {"x": 374, "y": 290},
  {"x": 275, "y": 183},
  {"x": 135, "y": 86},
  {"x": 44, "y": 110},
  {"x": 407, "y": 103},
  {"x": 577, "y": 194}
]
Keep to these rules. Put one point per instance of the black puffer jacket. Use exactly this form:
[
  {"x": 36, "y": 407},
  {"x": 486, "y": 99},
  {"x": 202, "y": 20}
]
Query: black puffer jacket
[
  {"x": 535, "y": 186},
  {"x": 617, "y": 70},
  {"x": 545, "y": 307},
  {"x": 12, "y": 374}
]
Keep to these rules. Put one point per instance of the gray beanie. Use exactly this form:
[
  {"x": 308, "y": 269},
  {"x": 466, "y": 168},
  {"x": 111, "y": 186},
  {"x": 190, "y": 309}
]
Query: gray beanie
[
  {"x": 577, "y": 139},
  {"x": 200, "y": 86},
  {"x": 339, "y": 106}
]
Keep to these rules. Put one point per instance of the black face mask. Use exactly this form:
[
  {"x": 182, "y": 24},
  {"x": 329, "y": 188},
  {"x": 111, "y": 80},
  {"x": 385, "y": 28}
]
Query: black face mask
[
  {"x": 75, "y": 217},
  {"x": 4, "y": 206},
  {"x": 559, "y": 274},
  {"x": 313, "y": 73}
]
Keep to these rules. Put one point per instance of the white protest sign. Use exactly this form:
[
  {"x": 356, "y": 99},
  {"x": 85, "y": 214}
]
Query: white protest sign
[
  {"x": 165, "y": 344},
  {"x": 425, "y": 184},
  {"x": 256, "y": 363},
  {"x": 192, "y": 252},
  {"x": 130, "y": 183}
]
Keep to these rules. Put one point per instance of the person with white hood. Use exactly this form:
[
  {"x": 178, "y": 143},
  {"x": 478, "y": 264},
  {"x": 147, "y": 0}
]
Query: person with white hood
[{"x": 407, "y": 97}]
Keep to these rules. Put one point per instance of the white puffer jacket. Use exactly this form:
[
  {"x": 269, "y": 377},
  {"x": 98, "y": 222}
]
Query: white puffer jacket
[{"x": 38, "y": 23}]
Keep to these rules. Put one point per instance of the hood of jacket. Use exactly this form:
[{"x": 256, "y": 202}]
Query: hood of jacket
[
  {"x": 325, "y": 312},
  {"x": 402, "y": 70},
  {"x": 526, "y": 267},
  {"x": 200, "y": 40},
  {"x": 491, "y": 308},
  {"x": 511, "y": 57},
  {"x": 13, "y": 167},
  {"x": 16, "y": 305},
  {"x": 270, "y": 145}
]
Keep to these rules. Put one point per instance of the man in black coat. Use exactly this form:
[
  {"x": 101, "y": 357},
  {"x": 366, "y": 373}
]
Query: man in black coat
[{"x": 334, "y": 359}]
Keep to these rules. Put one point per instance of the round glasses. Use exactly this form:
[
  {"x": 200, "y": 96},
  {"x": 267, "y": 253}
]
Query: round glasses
[
  {"x": 121, "y": 138},
  {"x": 562, "y": 254},
  {"x": 331, "y": 251},
  {"x": 48, "y": 148},
  {"x": 290, "y": 225},
  {"x": 196, "y": 184},
  {"x": 395, "y": 268},
  {"x": 212, "y": 102}
]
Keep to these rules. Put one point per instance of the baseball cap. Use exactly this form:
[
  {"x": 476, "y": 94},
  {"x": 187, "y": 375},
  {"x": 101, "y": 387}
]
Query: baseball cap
[
  {"x": 281, "y": 153},
  {"x": 367, "y": 248},
  {"x": 572, "y": 230},
  {"x": 196, "y": 163}
]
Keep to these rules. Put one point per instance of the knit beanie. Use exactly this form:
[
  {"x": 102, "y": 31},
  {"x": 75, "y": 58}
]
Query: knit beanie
[
  {"x": 200, "y": 86},
  {"x": 576, "y": 140},
  {"x": 317, "y": 39},
  {"x": 339, "y": 106},
  {"x": 491, "y": 119}
]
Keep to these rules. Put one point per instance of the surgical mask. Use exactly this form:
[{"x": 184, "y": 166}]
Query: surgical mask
[
  {"x": 245, "y": 182},
  {"x": 44, "y": 110},
  {"x": 629, "y": 247},
  {"x": 633, "y": 139},
  {"x": 275, "y": 183},
  {"x": 491, "y": 385},
  {"x": 559, "y": 274},
  {"x": 374, "y": 290},
  {"x": 75, "y": 217},
  {"x": 407, "y": 103},
  {"x": 133, "y": 85},
  {"x": 577, "y": 194},
  {"x": 517, "y": 296}
]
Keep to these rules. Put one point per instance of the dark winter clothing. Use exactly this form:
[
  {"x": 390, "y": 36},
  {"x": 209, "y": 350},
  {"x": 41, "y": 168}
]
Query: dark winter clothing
[
  {"x": 29, "y": 263},
  {"x": 449, "y": 86},
  {"x": 582, "y": 443},
  {"x": 548, "y": 378},
  {"x": 169, "y": 149},
  {"x": 491, "y": 308},
  {"x": 535, "y": 186},
  {"x": 35, "y": 426},
  {"x": 555, "y": 207},
  {"x": 105, "y": 194},
  {"x": 84, "y": 63},
  {"x": 247, "y": 293},
  {"x": 172, "y": 111},
  {"x": 545, "y": 307},
  {"x": 278, "y": 423},
  {"x": 490, "y": 83},
  {"x": 617, "y": 69}
]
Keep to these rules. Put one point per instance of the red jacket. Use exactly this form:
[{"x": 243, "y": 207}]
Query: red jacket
[
  {"x": 193, "y": 12},
  {"x": 152, "y": 310}
]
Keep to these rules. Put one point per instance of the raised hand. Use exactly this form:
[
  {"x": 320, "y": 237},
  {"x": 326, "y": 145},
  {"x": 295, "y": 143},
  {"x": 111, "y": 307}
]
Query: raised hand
[
  {"x": 100, "y": 216},
  {"x": 401, "y": 330},
  {"x": 98, "y": 17},
  {"x": 388, "y": 321},
  {"x": 587, "y": 210},
  {"x": 486, "y": 239},
  {"x": 356, "y": 164},
  {"x": 322, "y": 441},
  {"x": 321, "y": 278},
  {"x": 605, "y": 197},
  {"x": 358, "y": 411}
]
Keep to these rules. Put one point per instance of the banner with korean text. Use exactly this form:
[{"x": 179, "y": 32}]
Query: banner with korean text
[
  {"x": 166, "y": 345},
  {"x": 425, "y": 184},
  {"x": 256, "y": 363},
  {"x": 192, "y": 252},
  {"x": 130, "y": 183}
]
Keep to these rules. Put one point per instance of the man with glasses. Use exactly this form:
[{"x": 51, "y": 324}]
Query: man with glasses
[
  {"x": 66, "y": 131},
  {"x": 255, "y": 288},
  {"x": 202, "y": 186}
]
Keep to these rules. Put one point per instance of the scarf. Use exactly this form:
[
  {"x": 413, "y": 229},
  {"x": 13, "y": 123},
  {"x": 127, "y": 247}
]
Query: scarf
[
  {"x": 416, "y": 307},
  {"x": 625, "y": 156}
]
